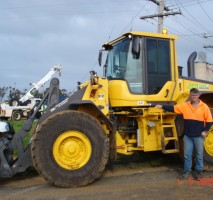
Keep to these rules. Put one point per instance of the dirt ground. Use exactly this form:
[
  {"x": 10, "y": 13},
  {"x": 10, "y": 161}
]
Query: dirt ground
[{"x": 152, "y": 177}]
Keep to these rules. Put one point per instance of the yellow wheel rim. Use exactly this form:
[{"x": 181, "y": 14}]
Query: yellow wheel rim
[
  {"x": 72, "y": 150},
  {"x": 208, "y": 144}
]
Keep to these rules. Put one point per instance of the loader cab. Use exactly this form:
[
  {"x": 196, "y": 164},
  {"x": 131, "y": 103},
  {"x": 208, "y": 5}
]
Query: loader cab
[{"x": 143, "y": 62}]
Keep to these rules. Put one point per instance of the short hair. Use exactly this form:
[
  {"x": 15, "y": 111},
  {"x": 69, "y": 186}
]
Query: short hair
[{"x": 194, "y": 91}]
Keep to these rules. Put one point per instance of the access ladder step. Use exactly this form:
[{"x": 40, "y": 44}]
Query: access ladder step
[
  {"x": 167, "y": 151},
  {"x": 168, "y": 126},
  {"x": 170, "y": 138}
]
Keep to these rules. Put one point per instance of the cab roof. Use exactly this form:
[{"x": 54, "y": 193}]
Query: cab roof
[{"x": 142, "y": 34}]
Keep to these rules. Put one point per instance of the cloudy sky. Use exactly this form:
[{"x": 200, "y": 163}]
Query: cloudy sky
[{"x": 36, "y": 34}]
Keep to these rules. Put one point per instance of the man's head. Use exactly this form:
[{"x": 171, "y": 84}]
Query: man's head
[{"x": 194, "y": 95}]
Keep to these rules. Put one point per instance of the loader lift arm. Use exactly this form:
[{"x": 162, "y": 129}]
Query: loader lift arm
[{"x": 10, "y": 166}]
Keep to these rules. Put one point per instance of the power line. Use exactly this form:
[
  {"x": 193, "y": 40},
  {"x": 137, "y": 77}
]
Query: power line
[
  {"x": 159, "y": 4},
  {"x": 178, "y": 33},
  {"x": 66, "y": 4},
  {"x": 135, "y": 16},
  {"x": 189, "y": 3},
  {"x": 74, "y": 11},
  {"x": 196, "y": 3},
  {"x": 204, "y": 11},
  {"x": 193, "y": 19},
  {"x": 187, "y": 27},
  {"x": 161, "y": 14}
]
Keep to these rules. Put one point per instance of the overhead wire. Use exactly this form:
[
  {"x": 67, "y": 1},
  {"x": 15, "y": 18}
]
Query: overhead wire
[
  {"x": 196, "y": 3},
  {"x": 199, "y": 42},
  {"x": 73, "y": 10},
  {"x": 71, "y": 3},
  {"x": 188, "y": 3},
  {"x": 194, "y": 33},
  {"x": 189, "y": 38},
  {"x": 182, "y": 4},
  {"x": 188, "y": 27},
  {"x": 192, "y": 19},
  {"x": 179, "y": 33},
  {"x": 204, "y": 11},
  {"x": 130, "y": 23}
]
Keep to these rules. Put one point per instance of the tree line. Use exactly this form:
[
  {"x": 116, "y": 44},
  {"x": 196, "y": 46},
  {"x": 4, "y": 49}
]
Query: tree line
[{"x": 14, "y": 93}]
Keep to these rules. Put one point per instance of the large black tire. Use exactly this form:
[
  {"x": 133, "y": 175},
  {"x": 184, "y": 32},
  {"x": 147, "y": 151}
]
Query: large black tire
[
  {"x": 56, "y": 144},
  {"x": 16, "y": 115}
]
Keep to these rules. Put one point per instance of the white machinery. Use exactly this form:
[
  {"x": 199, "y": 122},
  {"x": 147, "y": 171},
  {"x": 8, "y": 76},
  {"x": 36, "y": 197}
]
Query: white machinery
[
  {"x": 15, "y": 111},
  {"x": 40, "y": 83}
]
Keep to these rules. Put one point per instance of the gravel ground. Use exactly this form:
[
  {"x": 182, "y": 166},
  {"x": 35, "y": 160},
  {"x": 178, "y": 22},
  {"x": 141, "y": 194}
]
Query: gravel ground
[{"x": 147, "y": 178}]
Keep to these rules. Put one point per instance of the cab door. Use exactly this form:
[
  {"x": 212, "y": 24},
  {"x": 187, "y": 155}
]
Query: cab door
[{"x": 158, "y": 64}]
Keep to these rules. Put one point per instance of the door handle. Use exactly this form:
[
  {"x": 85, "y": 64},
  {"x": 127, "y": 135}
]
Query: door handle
[{"x": 167, "y": 92}]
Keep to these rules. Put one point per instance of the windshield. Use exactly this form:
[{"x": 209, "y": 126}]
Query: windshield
[{"x": 123, "y": 64}]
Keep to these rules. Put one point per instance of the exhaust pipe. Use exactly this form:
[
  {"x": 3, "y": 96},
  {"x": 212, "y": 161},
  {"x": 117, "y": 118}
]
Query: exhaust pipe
[{"x": 190, "y": 64}]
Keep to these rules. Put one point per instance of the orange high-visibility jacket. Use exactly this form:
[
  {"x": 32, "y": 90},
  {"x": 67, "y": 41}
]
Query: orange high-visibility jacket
[{"x": 196, "y": 119}]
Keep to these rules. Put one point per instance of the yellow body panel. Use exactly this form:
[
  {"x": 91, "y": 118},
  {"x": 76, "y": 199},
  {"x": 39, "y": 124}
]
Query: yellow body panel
[
  {"x": 98, "y": 93},
  {"x": 120, "y": 95},
  {"x": 185, "y": 85},
  {"x": 155, "y": 128}
]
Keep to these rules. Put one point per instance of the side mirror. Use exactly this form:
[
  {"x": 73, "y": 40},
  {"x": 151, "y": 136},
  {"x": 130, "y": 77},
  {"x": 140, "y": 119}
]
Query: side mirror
[
  {"x": 104, "y": 70},
  {"x": 136, "y": 45},
  {"x": 100, "y": 58}
]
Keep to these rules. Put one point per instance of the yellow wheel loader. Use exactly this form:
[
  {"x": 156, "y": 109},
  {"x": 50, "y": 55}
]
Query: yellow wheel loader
[{"x": 115, "y": 113}]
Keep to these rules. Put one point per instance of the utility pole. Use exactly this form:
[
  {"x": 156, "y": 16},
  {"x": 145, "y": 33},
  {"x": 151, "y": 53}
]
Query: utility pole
[
  {"x": 207, "y": 46},
  {"x": 160, "y": 14},
  {"x": 207, "y": 36},
  {"x": 160, "y": 18}
]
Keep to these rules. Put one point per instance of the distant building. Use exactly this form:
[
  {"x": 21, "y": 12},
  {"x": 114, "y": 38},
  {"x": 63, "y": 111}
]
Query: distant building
[{"x": 204, "y": 71}]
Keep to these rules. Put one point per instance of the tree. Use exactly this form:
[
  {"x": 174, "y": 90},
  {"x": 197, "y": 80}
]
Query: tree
[
  {"x": 14, "y": 93},
  {"x": 63, "y": 92},
  {"x": 37, "y": 94},
  {"x": 3, "y": 91}
]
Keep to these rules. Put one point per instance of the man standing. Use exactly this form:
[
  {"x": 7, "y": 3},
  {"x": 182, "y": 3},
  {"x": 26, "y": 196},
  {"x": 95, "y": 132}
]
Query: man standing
[{"x": 197, "y": 122}]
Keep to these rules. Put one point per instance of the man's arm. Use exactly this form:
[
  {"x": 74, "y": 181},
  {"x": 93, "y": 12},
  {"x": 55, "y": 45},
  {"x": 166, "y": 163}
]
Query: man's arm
[
  {"x": 166, "y": 107},
  {"x": 176, "y": 108},
  {"x": 208, "y": 121}
]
